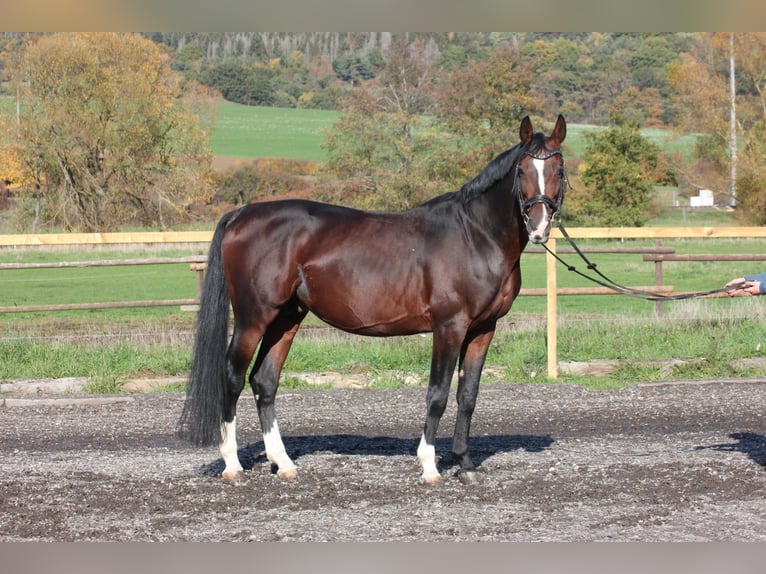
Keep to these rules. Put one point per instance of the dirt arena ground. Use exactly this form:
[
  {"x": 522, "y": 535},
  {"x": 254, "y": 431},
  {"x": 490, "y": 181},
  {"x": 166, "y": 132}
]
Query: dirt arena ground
[{"x": 662, "y": 462}]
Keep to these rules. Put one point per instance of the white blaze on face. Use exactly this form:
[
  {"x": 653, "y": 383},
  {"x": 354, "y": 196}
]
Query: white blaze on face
[
  {"x": 542, "y": 225},
  {"x": 540, "y": 167}
]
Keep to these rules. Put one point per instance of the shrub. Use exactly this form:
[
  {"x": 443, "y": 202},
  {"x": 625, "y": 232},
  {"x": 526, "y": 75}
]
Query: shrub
[{"x": 619, "y": 172}]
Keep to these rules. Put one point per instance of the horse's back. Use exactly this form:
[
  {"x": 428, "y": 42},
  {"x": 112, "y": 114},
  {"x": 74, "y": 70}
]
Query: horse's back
[{"x": 360, "y": 271}]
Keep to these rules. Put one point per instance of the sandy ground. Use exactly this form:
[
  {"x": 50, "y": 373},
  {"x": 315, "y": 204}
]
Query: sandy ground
[{"x": 675, "y": 462}]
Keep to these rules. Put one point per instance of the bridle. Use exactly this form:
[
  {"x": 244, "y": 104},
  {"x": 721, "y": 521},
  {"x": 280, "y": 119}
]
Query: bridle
[{"x": 525, "y": 204}]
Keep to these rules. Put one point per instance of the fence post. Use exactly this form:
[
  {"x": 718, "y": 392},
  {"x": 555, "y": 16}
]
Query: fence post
[
  {"x": 553, "y": 371},
  {"x": 200, "y": 269},
  {"x": 658, "y": 279}
]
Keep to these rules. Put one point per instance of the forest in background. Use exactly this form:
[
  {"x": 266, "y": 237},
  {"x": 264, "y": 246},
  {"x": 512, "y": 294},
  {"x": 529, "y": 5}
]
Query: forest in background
[
  {"x": 410, "y": 103},
  {"x": 579, "y": 74}
]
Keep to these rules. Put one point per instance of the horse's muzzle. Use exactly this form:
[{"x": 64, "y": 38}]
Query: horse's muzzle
[{"x": 540, "y": 236}]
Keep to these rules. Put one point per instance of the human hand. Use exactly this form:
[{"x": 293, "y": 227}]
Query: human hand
[{"x": 740, "y": 286}]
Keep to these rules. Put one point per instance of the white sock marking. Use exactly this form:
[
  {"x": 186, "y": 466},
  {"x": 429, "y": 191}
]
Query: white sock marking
[
  {"x": 228, "y": 447},
  {"x": 427, "y": 457},
  {"x": 275, "y": 449}
]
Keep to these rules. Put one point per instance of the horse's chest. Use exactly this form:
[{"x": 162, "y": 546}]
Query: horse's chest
[
  {"x": 506, "y": 296},
  {"x": 500, "y": 298}
]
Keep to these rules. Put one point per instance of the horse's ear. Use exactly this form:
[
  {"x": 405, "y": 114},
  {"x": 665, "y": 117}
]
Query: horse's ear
[
  {"x": 559, "y": 131},
  {"x": 525, "y": 130}
]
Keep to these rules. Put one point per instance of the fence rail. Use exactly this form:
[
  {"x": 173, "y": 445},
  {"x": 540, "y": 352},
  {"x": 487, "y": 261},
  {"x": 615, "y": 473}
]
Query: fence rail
[
  {"x": 105, "y": 263},
  {"x": 197, "y": 264},
  {"x": 124, "y": 238},
  {"x": 104, "y": 305}
]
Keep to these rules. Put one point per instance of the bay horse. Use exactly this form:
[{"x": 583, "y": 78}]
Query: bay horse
[{"x": 449, "y": 266}]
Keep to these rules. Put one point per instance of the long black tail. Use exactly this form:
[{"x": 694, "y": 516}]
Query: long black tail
[{"x": 203, "y": 411}]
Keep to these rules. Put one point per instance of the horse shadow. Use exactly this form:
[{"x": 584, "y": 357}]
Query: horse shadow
[
  {"x": 751, "y": 444},
  {"x": 482, "y": 448}
]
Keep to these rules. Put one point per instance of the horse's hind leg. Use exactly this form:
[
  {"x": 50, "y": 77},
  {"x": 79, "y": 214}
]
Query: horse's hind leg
[
  {"x": 264, "y": 380},
  {"x": 238, "y": 356}
]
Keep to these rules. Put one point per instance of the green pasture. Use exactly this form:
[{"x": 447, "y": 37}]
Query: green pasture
[
  {"x": 667, "y": 140},
  {"x": 256, "y": 131}
]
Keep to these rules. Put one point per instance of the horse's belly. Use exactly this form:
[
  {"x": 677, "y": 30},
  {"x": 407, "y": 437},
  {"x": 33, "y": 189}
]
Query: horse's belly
[{"x": 367, "y": 308}]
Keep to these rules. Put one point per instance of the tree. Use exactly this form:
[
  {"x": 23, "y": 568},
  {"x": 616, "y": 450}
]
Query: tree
[
  {"x": 484, "y": 102},
  {"x": 700, "y": 86},
  {"x": 751, "y": 180},
  {"x": 479, "y": 108},
  {"x": 381, "y": 144},
  {"x": 352, "y": 68},
  {"x": 642, "y": 106},
  {"x": 105, "y": 134},
  {"x": 401, "y": 142},
  {"x": 619, "y": 172},
  {"x": 248, "y": 84}
]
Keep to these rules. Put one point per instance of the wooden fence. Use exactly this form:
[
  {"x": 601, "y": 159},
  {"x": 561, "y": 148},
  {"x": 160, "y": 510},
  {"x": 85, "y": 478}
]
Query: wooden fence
[
  {"x": 195, "y": 261},
  {"x": 656, "y": 233},
  {"x": 198, "y": 264},
  {"x": 657, "y": 254}
]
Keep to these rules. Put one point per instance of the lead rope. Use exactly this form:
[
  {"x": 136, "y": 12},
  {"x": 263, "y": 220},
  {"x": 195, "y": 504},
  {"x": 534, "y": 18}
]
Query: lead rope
[{"x": 630, "y": 291}]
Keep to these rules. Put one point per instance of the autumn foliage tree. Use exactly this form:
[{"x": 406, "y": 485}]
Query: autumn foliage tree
[
  {"x": 700, "y": 86},
  {"x": 483, "y": 103},
  {"x": 405, "y": 138},
  {"x": 381, "y": 144},
  {"x": 105, "y": 134}
]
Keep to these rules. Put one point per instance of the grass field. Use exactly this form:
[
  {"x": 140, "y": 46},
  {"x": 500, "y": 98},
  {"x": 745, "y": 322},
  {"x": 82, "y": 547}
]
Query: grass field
[{"x": 254, "y": 131}]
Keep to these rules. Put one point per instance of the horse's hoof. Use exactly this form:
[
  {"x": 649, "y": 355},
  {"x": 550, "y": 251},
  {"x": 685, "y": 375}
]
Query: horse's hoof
[
  {"x": 234, "y": 476},
  {"x": 431, "y": 480},
  {"x": 469, "y": 477},
  {"x": 288, "y": 474}
]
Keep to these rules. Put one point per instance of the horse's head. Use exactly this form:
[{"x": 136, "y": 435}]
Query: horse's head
[{"x": 540, "y": 180}]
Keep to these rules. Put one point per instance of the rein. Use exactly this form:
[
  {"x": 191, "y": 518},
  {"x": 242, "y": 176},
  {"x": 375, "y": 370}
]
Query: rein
[{"x": 614, "y": 286}]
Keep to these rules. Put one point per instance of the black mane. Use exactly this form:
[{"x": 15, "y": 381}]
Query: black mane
[
  {"x": 498, "y": 168},
  {"x": 492, "y": 173}
]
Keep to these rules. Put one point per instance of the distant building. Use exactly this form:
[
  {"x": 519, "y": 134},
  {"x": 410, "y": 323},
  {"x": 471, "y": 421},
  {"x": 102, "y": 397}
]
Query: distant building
[{"x": 704, "y": 199}]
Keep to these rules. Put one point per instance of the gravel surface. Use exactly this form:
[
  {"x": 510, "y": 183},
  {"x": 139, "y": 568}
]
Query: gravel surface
[{"x": 676, "y": 462}]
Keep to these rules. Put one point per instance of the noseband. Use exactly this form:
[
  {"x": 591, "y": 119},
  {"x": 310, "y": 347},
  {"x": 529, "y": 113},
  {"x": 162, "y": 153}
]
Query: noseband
[{"x": 526, "y": 204}]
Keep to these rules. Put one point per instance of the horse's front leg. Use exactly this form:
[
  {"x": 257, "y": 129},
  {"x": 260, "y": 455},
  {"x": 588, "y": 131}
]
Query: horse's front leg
[
  {"x": 472, "y": 358},
  {"x": 443, "y": 360}
]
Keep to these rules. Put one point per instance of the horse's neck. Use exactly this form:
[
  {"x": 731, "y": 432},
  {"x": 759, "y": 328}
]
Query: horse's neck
[{"x": 497, "y": 212}]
